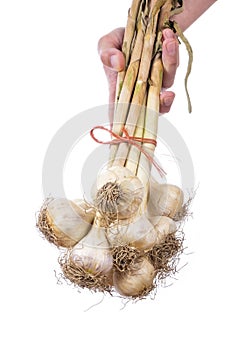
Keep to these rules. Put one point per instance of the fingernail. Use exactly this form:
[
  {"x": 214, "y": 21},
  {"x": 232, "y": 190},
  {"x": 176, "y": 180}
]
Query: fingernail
[
  {"x": 115, "y": 64},
  {"x": 168, "y": 34},
  {"x": 168, "y": 101},
  {"x": 171, "y": 48}
]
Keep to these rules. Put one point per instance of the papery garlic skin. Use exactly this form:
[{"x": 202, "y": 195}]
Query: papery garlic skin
[
  {"x": 137, "y": 281},
  {"x": 164, "y": 226},
  {"x": 64, "y": 222},
  {"x": 119, "y": 193},
  {"x": 164, "y": 199},
  {"x": 139, "y": 233}
]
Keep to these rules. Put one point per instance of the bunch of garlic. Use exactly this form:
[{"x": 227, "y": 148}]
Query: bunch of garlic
[{"x": 112, "y": 242}]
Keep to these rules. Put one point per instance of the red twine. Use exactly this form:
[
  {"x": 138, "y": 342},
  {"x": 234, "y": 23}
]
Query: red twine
[{"x": 132, "y": 140}]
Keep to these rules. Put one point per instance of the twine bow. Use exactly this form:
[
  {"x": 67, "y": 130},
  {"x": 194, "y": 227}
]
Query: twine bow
[{"x": 132, "y": 140}]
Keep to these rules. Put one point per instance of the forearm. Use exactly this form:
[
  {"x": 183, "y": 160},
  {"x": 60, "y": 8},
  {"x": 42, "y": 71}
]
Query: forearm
[{"x": 192, "y": 10}]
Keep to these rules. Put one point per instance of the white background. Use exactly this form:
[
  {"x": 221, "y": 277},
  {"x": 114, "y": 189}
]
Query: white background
[{"x": 50, "y": 71}]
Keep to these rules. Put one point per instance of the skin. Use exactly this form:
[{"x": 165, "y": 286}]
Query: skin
[{"x": 109, "y": 49}]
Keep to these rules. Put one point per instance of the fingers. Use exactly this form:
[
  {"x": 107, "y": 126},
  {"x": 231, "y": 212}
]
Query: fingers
[
  {"x": 166, "y": 101},
  {"x": 170, "y": 57},
  {"x": 109, "y": 49}
]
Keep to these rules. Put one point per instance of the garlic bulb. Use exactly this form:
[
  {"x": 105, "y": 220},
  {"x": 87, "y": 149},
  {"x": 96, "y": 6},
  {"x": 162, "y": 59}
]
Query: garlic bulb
[
  {"x": 139, "y": 234},
  {"x": 164, "y": 226},
  {"x": 136, "y": 282},
  {"x": 64, "y": 222},
  {"x": 164, "y": 199},
  {"x": 89, "y": 263},
  {"x": 119, "y": 193}
]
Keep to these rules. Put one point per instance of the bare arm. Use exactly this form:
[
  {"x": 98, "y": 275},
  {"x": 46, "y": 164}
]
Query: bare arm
[{"x": 193, "y": 9}]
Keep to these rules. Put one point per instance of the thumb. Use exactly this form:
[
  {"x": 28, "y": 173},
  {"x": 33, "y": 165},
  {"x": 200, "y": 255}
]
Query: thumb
[{"x": 109, "y": 49}]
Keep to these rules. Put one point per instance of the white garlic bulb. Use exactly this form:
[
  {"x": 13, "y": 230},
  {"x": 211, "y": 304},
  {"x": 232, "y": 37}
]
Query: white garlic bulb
[
  {"x": 119, "y": 193},
  {"x": 136, "y": 282},
  {"x": 89, "y": 264},
  {"x": 164, "y": 199},
  {"x": 64, "y": 222}
]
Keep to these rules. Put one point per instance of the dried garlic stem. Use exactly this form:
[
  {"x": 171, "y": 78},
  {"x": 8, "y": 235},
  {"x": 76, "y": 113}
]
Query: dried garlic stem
[
  {"x": 134, "y": 152},
  {"x": 128, "y": 41},
  {"x": 127, "y": 89},
  {"x": 142, "y": 79},
  {"x": 151, "y": 120},
  {"x": 165, "y": 13}
]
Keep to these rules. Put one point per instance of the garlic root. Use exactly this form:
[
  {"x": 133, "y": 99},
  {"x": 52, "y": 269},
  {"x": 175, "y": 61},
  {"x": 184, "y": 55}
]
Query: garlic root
[{"x": 164, "y": 256}]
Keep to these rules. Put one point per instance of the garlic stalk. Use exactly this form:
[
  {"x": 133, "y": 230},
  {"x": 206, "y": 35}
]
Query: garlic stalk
[
  {"x": 64, "y": 222},
  {"x": 164, "y": 199},
  {"x": 137, "y": 281},
  {"x": 89, "y": 263},
  {"x": 119, "y": 193}
]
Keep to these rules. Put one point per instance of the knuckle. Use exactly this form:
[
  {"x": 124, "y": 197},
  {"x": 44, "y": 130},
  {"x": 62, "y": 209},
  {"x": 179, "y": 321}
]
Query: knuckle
[{"x": 101, "y": 42}]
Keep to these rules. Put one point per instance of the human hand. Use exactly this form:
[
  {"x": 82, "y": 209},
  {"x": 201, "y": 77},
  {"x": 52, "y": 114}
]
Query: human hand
[{"x": 109, "y": 49}]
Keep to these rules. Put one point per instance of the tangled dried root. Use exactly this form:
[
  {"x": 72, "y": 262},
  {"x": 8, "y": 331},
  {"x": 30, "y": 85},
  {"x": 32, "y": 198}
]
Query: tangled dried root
[
  {"x": 116, "y": 201},
  {"x": 185, "y": 212},
  {"x": 84, "y": 279},
  {"x": 107, "y": 198},
  {"x": 164, "y": 256},
  {"x": 124, "y": 257}
]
